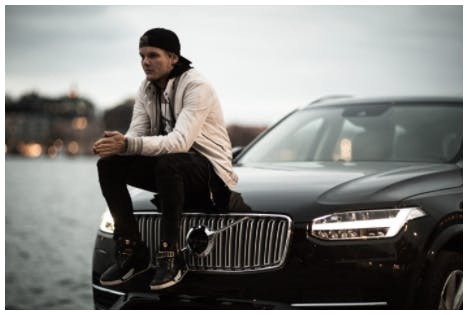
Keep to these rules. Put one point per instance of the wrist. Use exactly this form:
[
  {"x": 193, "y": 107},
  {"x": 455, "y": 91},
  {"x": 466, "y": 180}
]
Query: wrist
[
  {"x": 125, "y": 144},
  {"x": 135, "y": 145}
]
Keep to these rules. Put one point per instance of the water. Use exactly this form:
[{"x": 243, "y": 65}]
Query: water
[{"x": 53, "y": 208}]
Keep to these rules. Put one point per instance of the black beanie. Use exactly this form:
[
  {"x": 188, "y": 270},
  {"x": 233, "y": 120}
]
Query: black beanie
[{"x": 164, "y": 39}]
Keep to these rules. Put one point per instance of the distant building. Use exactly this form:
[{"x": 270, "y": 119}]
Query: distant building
[{"x": 50, "y": 126}]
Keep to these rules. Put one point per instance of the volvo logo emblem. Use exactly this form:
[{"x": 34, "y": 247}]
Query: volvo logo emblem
[{"x": 200, "y": 240}]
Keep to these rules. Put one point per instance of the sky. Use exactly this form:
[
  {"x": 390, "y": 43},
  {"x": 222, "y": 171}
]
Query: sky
[{"x": 263, "y": 61}]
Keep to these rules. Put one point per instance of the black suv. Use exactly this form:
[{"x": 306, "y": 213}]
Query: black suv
[{"x": 345, "y": 203}]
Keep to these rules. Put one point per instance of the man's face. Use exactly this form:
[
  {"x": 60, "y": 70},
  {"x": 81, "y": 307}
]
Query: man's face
[{"x": 157, "y": 63}]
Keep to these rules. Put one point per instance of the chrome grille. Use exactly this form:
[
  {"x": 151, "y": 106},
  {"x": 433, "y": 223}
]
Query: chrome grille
[{"x": 255, "y": 244}]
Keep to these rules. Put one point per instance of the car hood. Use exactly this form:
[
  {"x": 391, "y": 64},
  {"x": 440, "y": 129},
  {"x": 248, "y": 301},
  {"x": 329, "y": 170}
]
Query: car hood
[{"x": 309, "y": 189}]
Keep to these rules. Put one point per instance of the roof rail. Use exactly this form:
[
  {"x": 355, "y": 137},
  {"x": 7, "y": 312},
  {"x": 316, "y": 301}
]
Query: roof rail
[{"x": 330, "y": 97}]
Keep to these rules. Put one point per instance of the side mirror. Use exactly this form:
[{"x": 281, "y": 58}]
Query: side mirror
[{"x": 236, "y": 151}]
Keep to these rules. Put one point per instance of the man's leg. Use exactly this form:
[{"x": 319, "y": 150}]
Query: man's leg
[
  {"x": 178, "y": 178},
  {"x": 113, "y": 172},
  {"x": 131, "y": 255},
  {"x": 183, "y": 183}
]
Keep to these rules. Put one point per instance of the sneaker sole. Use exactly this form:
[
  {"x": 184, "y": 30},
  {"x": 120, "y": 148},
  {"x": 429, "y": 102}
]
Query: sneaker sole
[
  {"x": 120, "y": 281},
  {"x": 168, "y": 284}
]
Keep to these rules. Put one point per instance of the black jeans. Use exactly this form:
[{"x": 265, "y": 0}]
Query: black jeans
[{"x": 183, "y": 181}]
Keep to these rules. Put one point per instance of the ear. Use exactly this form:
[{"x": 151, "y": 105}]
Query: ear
[{"x": 174, "y": 59}]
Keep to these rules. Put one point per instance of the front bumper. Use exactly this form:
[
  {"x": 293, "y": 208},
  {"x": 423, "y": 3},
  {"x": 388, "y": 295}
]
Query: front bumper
[
  {"x": 140, "y": 300},
  {"x": 316, "y": 275}
]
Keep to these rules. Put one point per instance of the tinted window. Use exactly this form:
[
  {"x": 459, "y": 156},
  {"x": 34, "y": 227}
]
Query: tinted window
[{"x": 419, "y": 133}]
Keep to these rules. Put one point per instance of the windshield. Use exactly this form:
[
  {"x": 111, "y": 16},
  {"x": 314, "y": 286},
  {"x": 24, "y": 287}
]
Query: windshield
[{"x": 370, "y": 132}]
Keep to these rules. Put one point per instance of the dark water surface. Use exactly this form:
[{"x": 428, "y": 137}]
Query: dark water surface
[{"x": 53, "y": 208}]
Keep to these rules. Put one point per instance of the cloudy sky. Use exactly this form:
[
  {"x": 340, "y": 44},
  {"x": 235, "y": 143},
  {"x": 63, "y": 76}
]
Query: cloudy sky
[{"x": 262, "y": 60}]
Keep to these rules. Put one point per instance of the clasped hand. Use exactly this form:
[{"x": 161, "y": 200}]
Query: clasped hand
[{"x": 112, "y": 143}]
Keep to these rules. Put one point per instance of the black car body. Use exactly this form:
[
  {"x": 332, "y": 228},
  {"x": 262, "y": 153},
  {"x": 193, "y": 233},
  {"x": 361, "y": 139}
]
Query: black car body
[{"x": 345, "y": 203}]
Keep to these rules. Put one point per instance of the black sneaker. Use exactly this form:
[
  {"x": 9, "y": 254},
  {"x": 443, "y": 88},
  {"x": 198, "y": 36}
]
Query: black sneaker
[
  {"x": 170, "y": 270},
  {"x": 132, "y": 258}
]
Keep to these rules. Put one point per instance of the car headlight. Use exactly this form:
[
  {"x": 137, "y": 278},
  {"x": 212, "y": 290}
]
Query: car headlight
[
  {"x": 363, "y": 225},
  {"x": 107, "y": 222}
]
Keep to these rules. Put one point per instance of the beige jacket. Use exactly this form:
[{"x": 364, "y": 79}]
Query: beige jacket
[{"x": 199, "y": 124}]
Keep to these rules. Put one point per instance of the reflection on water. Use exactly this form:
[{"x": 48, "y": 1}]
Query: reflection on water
[{"x": 52, "y": 213}]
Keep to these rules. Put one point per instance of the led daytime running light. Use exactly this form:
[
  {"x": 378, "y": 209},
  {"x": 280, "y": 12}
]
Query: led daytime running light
[{"x": 365, "y": 224}]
